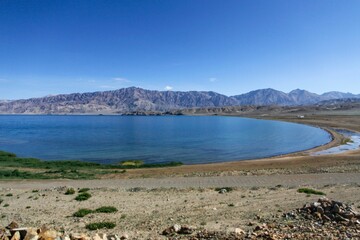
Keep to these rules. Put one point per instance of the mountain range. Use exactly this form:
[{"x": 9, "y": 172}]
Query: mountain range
[{"x": 132, "y": 99}]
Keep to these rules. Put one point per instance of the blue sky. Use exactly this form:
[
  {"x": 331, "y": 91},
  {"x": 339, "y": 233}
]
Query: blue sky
[{"x": 231, "y": 47}]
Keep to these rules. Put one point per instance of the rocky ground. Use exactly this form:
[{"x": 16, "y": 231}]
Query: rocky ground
[{"x": 275, "y": 212}]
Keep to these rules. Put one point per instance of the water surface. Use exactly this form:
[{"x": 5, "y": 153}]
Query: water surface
[{"x": 154, "y": 139}]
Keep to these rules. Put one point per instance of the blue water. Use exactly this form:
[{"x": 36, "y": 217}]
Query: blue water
[{"x": 188, "y": 139}]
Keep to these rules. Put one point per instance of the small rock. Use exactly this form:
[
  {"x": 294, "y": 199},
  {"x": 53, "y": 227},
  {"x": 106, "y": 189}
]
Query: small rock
[
  {"x": 16, "y": 236},
  {"x": 185, "y": 229},
  {"x": 113, "y": 237},
  {"x": 12, "y": 225},
  {"x": 124, "y": 236},
  {"x": 222, "y": 191},
  {"x": 239, "y": 231},
  {"x": 78, "y": 236}
]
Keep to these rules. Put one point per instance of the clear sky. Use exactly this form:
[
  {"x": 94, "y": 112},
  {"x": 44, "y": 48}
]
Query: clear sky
[{"x": 231, "y": 47}]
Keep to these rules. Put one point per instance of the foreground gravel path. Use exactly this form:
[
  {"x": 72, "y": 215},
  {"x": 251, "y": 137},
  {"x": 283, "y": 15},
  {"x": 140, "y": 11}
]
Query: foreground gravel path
[{"x": 196, "y": 182}]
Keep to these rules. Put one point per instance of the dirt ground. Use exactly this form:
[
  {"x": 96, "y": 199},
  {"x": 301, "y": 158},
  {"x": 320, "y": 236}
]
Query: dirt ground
[{"x": 145, "y": 213}]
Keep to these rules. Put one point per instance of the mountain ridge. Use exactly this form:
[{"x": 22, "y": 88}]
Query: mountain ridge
[{"x": 131, "y": 99}]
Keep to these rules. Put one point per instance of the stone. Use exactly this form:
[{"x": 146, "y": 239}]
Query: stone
[
  {"x": 16, "y": 236},
  {"x": 22, "y": 231},
  {"x": 320, "y": 210},
  {"x": 185, "y": 229},
  {"x": 79, "y": 236},
  {"x": 113, "y": 237},
  {"x": 96, "y": 237},
  {"x": 12, "y": 225},
  {"x": 3, "y": 234},
  {"x": 336, "y": 208},
  {"x": 222, "y": 191},
  {"x": 124, "y": 236},
  {"x": 31, "y": 234},
  {"x": 239, "y": 231},
  {"x": 48, "y": 234}
]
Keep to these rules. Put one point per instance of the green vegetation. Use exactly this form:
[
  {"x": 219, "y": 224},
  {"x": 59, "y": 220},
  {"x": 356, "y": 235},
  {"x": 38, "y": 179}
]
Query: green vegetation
[
  {"x": 9, "y": 195},
  {"x": 130, "y": 164},
  {"x": 64, "y": 169},
  {"x": 85, "y": 211},
  {"x": 106, "y": 209},
  {"x": 100, "y": 225},
  {"x": 70, "y": 191},
  {"x": 83, "y": 190},
  {"x": 83, "y": 196},
  {"x": 346, "y": 140},
  {"x": 82, "y": 212},
  {"x": 310, "y": 191},
  {"x": 6, "y": 205}
]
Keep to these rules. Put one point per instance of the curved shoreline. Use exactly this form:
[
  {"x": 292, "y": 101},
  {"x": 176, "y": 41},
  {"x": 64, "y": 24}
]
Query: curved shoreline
[{"x": 292, "y": 163}]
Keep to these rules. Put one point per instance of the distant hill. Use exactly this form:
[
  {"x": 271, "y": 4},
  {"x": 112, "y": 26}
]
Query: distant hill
[
  {"x": 127, "y": 100},
  {"x": 270, "y": 96},
  {"x": 118, "y": 101}
]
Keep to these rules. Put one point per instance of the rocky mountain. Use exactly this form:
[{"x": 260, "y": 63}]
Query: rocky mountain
[
  {"x": 118, "y": 101},
  {"x": 337, "y": 95},
  {"x": 128, "y": 100},
  {"x": 264, "y": 97},
  {"x": 296, "y": 97}
]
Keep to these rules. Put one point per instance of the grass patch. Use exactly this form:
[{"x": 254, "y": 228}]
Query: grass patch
[
  {"x": 131, "y": 164},
  {"x": 82, "y": 190},
  {"x": 100, "y": 225},
  {"x": 82, "y": 212},
  {"x": 106, "y": 209},
  {"x": 310, "y": 191},
  {"x": 65, "y": 169},
  {"x": 70, "y": 191},
  {"x": 83, "y": 196}
]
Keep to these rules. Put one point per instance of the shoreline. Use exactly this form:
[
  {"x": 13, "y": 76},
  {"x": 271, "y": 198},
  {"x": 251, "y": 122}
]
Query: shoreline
[{"x": 296, "y": 162}]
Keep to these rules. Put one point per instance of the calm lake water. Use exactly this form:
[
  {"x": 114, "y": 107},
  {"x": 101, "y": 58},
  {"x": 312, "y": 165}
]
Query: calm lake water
[{"x": 188, "y": 139}]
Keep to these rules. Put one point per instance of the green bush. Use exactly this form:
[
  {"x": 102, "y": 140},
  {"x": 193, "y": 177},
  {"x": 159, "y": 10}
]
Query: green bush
[
  {"x": 100, "y": 225},
  {"x": 83, "y": 196},
  {"x": 82, "y": 212},
  {"x": 310, "y": 191},
  {"x": 83, "y": 190},
  {"x": 70, "y": 191},
  {"x": 106, "y": 209}
]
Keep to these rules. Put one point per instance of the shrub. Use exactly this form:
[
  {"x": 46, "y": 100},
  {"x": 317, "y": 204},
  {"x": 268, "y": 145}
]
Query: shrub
[
  {"x": 70, "y": 191},
  {"x": 9, "y": 195},
  {"x": 310, "y": 191},
  {"x": 83, "y": 196},
  {"x": 84, "y": 190},
  {"x": 106, "y": 209},
  {"x": 100, "y": 225},
  {"x": 82, "y": 212}
]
